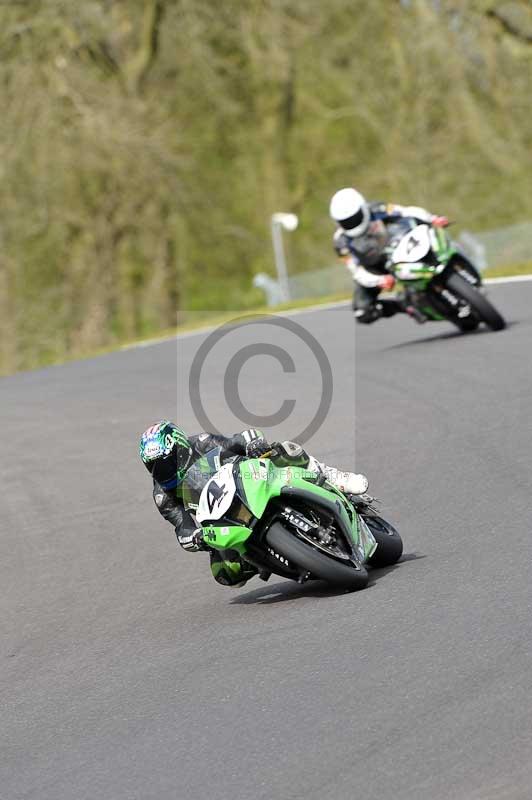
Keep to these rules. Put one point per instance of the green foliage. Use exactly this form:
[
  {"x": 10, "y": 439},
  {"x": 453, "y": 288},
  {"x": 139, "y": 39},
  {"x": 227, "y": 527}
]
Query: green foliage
[{"x": 144, "y": 145}]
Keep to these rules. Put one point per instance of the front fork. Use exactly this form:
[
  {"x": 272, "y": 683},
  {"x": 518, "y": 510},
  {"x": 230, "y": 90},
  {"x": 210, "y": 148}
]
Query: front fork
[
  {"x": 447, "y": 301},
  {"x": 466, "y": 269}
]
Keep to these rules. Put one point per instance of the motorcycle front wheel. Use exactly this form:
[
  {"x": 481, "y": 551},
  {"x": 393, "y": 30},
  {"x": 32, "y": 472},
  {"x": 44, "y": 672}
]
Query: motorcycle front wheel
[
  {"x": 309, "y": 559},
  {"x": 480, "y": 305}
]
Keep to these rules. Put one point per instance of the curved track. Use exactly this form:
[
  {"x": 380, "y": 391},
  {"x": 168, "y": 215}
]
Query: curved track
[{"x": 128, "y": 673}]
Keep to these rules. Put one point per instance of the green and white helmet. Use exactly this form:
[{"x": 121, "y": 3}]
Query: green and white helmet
[{"x": 166, "y": 453}]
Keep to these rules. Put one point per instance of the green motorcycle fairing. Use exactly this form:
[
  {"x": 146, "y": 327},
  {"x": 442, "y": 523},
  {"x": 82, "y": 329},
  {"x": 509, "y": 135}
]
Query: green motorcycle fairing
[
  {"x": 256, "y": 482},
  {"x": 227, "y": 537},
  {"x": 416, "y": 276}
]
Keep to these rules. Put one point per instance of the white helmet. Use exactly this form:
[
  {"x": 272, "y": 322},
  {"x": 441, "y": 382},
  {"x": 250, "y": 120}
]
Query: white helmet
[{"x": 349, "y": 209}]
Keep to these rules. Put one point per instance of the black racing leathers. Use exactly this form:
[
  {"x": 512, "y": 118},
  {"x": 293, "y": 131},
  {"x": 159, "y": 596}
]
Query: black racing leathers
[{"x": 170, "y": 504}]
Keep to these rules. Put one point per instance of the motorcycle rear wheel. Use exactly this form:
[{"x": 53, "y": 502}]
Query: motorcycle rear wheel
[
  {"x": 389, "y": 543},
  {"x": 312, "y": 560}
]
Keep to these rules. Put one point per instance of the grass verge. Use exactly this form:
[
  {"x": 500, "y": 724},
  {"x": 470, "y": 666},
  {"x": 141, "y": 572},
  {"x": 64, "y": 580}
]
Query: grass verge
[
  {"x": 209, "y": 321},
  {"x": 524, "y": 268}
]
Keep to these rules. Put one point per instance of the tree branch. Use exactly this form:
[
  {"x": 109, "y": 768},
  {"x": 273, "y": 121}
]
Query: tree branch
[
  {"x": 137, "y": 68},
  {"x": 513, "y": 19}
]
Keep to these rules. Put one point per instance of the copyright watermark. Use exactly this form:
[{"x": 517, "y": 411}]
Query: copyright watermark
[{"x": 266, "y": 372}]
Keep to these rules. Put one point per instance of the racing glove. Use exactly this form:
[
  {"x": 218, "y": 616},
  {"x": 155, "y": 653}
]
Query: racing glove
[
  {"x": 192, "y": 542},
  {"x": 387, "y": 282},
  {"x": 257, "y": 447},
  {"x": 440, "y": 222}
]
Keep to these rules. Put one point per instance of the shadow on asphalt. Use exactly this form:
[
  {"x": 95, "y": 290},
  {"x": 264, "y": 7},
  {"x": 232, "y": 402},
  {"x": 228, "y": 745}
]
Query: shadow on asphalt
[
  {"x": 441, "y": 337},
  {"x": 290, "y": 590},
  {"x": 376, "y": 574}
]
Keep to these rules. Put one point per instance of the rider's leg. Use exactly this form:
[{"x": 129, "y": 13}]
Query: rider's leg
[
  {"x": 364, "y": 304},
  {"x": 347, "y": 482},
  {"x": 292, "y": 455},
  {"x": 390, "y": 307},
  {"x": 368, "y": 306},
  {"x": 367, "y": 312}
]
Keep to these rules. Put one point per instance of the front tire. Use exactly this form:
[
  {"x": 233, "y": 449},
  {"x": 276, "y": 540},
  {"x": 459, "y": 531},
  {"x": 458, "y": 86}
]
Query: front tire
[
  {"x": 389, "y": 543},
  {"x": 311, "y": 560},
  {"x": 467, "y": 325},
  {"x": 477, "y": 301}
]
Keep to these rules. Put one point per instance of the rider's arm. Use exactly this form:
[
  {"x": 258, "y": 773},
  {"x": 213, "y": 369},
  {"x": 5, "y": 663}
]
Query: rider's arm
[
  {"x": 173, "y": 511},
  {"x": 234, "y": 444},
  {"x": 345, "y": 254},
  {"x": 361, "y": 275},
  {"x": 394, "y": 211},
  {"x": 167, "y": 504},
  {"x": 187, "y": 533},
  {"x": 240, "y": 441},
  {"x": 292, "y": 454},
  {"x": 366, "y": 278},
  {"x": 414, "y": 212}
]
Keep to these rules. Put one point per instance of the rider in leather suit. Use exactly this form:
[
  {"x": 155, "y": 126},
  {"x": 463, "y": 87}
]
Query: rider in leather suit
[
  {"x": 360, "y": 240},
  {"x": 167, "y": 453}
]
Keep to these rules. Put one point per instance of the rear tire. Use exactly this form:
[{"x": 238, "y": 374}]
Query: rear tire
[
  {"x": 312, "y": 560},
  {"x": 389, "y": 543},
  {"x": 477, "y": 301}
]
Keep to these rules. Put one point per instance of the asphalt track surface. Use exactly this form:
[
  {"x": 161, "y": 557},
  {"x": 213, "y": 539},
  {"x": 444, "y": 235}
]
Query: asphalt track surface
[{"x": 127, "y": 672}]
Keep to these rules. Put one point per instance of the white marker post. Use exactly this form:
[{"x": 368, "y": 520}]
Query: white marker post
[{"x": 289, "y": 222}]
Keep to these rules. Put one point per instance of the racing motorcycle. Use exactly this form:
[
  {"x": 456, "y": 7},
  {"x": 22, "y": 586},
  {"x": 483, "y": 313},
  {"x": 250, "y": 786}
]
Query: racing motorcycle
[
  {"x": 439, "y": 282},
  {"x": 288, "y": 521}
]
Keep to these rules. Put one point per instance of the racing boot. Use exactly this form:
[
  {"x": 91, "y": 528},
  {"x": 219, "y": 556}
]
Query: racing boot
[
  {"x": 229, "y": 569},
  {"x": 347, "y": 482}
]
